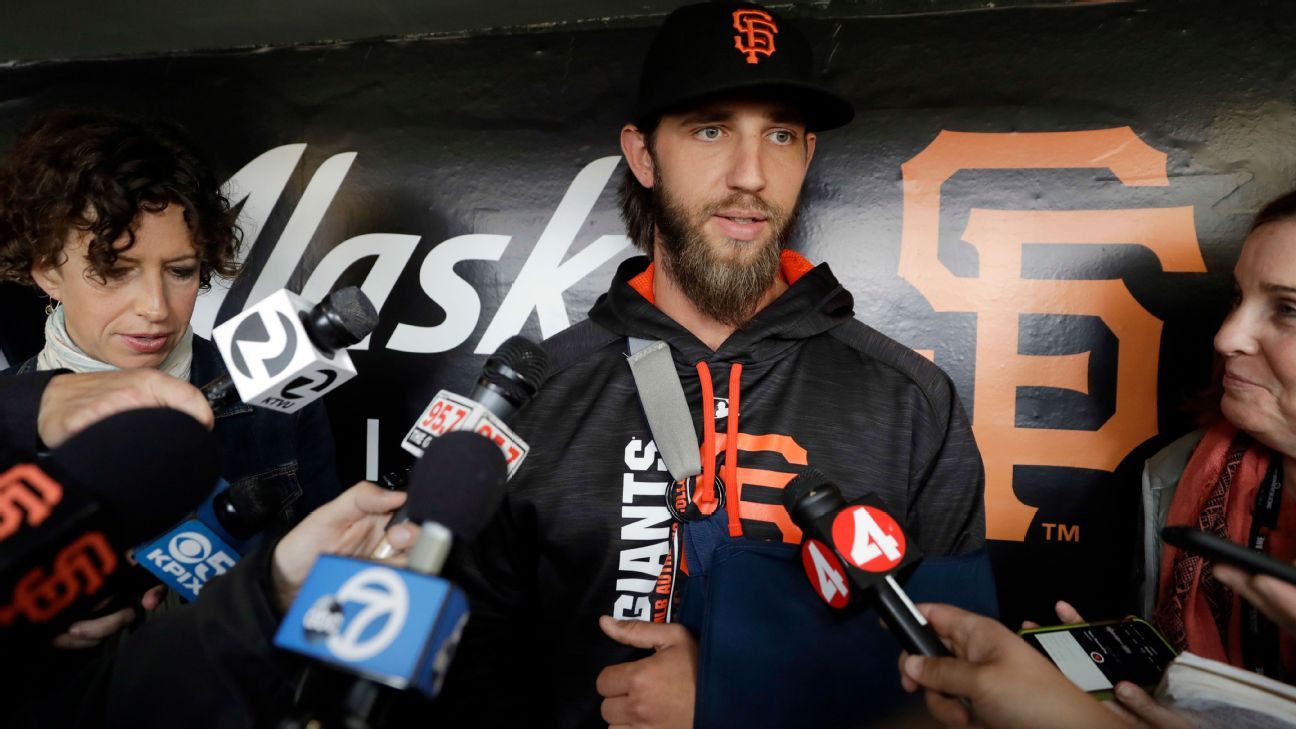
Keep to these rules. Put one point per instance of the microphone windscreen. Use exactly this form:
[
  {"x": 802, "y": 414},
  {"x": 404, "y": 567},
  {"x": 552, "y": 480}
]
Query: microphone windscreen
[
  {"x": 459, "y": 483},
  {"x": 355, "y": 310},
  {"x": 147, "y": 468},
  {"x": 524, "y": 357},
  {"x": 805, "y": 482}
]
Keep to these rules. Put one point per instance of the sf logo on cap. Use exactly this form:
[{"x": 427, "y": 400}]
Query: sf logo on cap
[{"x": 757, "y": 30}]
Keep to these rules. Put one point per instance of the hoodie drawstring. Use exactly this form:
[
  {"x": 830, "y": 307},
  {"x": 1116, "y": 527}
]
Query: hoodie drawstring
[{"x": 704, "y": 495}]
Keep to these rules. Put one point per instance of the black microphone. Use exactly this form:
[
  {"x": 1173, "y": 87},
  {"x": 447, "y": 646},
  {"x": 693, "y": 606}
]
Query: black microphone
[
  {"x": 454, "y": 490},
  {"x": 851, "y": 553},
  {"x": 342, "y": 319},
  {"x": 115, "y": 483},
  {"x": 456, "y": 487},
  {"x": 511, "y": 376},
  {"x": 509, "y": 379}
]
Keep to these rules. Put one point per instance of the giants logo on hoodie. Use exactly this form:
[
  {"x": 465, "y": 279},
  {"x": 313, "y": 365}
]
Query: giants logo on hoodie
[{"x": 646, "y": 532}]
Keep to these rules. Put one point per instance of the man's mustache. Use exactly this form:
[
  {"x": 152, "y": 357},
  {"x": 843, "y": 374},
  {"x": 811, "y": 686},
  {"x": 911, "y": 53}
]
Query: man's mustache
[{"x": 747, "y": 202}]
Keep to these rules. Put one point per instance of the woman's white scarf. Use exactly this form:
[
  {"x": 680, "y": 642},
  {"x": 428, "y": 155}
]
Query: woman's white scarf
[{"x": 61, "y": 352}]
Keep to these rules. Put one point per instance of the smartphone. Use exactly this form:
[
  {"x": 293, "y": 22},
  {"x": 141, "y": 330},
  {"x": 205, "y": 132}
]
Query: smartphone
[
  {"x": 1097, "y": 656},
  {"x": 1222, "y": 551}
]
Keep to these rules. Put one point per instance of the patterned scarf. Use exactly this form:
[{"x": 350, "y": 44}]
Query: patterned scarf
[
  {"x": 61, "y": 352},
  {"x": 1215, "y": 494}
]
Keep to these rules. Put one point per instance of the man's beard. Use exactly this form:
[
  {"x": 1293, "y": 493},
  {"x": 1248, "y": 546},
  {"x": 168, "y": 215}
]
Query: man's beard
[{"x": 728, "y": 291}]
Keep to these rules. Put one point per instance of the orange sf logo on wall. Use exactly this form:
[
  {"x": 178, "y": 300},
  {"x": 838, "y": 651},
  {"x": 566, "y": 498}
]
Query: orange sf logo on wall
[
  {"x": 27, "y": 494},
  {"x": 757, "y": 29},
  {"x": 999, "y": 295}
]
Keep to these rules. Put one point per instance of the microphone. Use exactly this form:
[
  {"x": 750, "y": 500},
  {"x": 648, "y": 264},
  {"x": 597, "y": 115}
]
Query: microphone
[
  {"x": 851, "y": 553},
  {"x": 391, "y": 627},
  {"x": 509, "y": 379},
  {"x": 68, "y": 522},
  {"x": 283, "y": 353},
  {"x": 189, "y": 555}
]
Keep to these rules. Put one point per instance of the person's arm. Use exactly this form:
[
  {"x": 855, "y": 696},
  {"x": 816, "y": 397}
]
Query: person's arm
[
  {"x": 657, "y": 692},
  {"x": 20, "y": 399},
  {"x": 947, "y": 487},
  {"x": 212, "y": 663},
  {"x": 45, "y": 408}
]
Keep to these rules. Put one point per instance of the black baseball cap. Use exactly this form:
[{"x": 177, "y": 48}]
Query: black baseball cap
[{"x": 719, "y": 48}]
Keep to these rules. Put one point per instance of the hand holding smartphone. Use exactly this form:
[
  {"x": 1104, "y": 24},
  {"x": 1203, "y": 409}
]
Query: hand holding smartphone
[{"x": 1097, "y": 656}]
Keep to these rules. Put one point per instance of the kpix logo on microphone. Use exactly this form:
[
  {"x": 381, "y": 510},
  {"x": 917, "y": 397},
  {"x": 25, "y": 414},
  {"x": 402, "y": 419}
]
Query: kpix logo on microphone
[
  {"x": 190, "y": 548},
  {"x": 869, "y": 538},
  {"x": 187, "y": 557},
  {"x": 379, "y": 604},
  {"x": 264, "y": 345}
]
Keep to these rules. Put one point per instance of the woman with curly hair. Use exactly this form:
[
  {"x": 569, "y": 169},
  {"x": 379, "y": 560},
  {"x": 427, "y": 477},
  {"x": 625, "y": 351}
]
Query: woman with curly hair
[{"x": 121, "y": 223}]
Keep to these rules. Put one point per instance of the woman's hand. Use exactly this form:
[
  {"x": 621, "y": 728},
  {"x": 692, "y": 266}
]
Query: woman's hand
[
  {"x": 72, "y": 402},
  {"x": 1272, "y": 596},
  {"x": 1132, "y": 703}
]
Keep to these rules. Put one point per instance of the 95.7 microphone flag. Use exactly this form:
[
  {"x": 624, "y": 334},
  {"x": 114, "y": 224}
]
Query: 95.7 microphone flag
[{"x": 449, "y": 412}]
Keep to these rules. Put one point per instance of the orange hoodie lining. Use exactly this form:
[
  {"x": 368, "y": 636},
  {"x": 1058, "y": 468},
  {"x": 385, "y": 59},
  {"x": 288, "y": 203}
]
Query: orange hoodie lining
[
  {"x": 792, "y": 266},
  {"x": 704, "y": 494}
]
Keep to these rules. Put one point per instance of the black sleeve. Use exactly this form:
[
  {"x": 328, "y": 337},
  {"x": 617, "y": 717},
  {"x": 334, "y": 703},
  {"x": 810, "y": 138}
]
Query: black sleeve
[
  {"x": 493, "y": 670},
  {"x": 20, "y": 397},
  {"x": 947, "y": 508},
  {"x": 207, "y": 664},
  {"x": 211, "y": 663}
]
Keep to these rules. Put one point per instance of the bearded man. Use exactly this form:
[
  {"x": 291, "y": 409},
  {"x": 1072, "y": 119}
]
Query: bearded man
[{"x": 776, "y": 373}]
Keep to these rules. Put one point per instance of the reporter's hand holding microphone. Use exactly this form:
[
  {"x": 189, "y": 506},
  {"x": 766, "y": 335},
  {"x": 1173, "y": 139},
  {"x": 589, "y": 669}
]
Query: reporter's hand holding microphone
[{"x": 352, "y": 525}]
